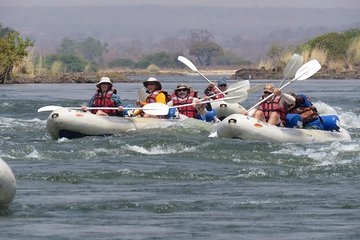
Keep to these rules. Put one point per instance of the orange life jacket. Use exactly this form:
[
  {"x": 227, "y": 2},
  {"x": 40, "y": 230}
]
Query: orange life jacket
[
  {"x": 272, "y": 105},
  {"x": 306, "y": 109}
]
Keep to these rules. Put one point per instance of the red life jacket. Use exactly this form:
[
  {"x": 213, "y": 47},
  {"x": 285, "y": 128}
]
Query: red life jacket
[
  {"x": 152, "y": 96},
  {"x": 189, "y": 111},
  {"x": 104, "y": 100},
  {"x": 215, "y": 91},
  {"x": 272, "y": 105}
]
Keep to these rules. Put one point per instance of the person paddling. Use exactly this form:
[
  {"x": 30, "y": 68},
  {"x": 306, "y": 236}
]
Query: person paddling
[
  {"x": 212, "y": 90},
  {"x": 105, "y": 96},
  {"x": 273, "y": 110},
  {"x": 155, "y": 95},
  {"x": 185, "y": 95},
  {"x": 307, "y": 111}
]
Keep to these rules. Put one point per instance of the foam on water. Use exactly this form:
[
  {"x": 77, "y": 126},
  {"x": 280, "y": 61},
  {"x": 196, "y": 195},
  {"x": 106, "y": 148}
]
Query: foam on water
[
  {"x": 33, "y": 154},
  {"x": 324, "y": 154},
  {"x": 348, "y": 119},
  {"x": 17, "y": 122},
  {"x": 160, "y": 149}
]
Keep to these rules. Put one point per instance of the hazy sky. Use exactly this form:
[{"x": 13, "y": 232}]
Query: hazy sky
[{"x": 233, "y": 3}]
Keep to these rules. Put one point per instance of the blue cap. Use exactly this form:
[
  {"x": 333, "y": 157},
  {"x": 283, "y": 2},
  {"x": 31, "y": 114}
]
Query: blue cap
[{"x": 222, "y": 82}]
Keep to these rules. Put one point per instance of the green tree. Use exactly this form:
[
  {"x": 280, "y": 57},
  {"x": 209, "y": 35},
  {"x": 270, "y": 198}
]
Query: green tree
[
  {"x": 122, "y": 62},
  {"x": 334, "y": 43},
  {"x": 67, "y": 46},
  {"x": 13, "y": 50},
  {"x": 92, "y": 49},
  {"x": 163, "y": 59},
  {"x": 71, "y": 63},
  {"x": 275, "y": 52},
  {"x": 203, "y": 47},
  {"x": 205, "y": 52},
  {"x": 229, "y": 58}
]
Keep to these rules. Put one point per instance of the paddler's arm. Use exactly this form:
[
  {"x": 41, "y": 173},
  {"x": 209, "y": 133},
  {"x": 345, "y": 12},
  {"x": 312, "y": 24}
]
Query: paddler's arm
[
  {"x": 286, "y": 99},
  {"x": 171, "y": 103},
  {"x": 118, "y": 104},
  {"x": 89, "y": 104},
  {"x": 200, "y": 107}
]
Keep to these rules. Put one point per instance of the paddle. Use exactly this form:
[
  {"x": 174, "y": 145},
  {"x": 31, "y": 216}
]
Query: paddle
[
  {"x": 142, "y": 94},
  {"x": 210, "y": 101},
  {"x": 150, "y": 108},
  {"x": 238, "y": 87},
  {"x": 303, "y": 73},
  {"x": 188, "y": 63},
  {"x": 291, "y": 67}
]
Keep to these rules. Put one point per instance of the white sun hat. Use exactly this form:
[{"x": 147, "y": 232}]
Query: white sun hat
[
  {"x": 104, "y": 80},
  {"x": 153, "y": 80}
]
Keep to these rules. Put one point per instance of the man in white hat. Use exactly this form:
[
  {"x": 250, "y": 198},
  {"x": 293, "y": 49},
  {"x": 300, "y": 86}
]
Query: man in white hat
[
  {"x": 185, "y": 95},
  {"x": 105, "y": 96}
]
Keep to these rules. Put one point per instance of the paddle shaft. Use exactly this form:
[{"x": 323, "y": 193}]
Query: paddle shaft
[
  {"x": 208, "y": 101},
  {"x": 226, "y": 91},
  {"x": 188, "y": 63}
]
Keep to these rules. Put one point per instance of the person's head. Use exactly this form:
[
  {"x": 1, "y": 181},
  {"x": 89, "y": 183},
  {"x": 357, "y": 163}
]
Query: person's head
[
  {"x": 152, "y": 84},
  {"x": 269, "y": 89},
  {"x": 104, "y": 84},
  {"x": 222, "y": 84},
  {"x": 182, "y": 90}
]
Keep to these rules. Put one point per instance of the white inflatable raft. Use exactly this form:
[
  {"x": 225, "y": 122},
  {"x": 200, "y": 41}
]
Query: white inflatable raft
[
  {"x": 68, "y": 123},
  {"x": 244, "y": 127},
  {"x": 224, "y": 109},
  {"x": 7, "y": 184}
]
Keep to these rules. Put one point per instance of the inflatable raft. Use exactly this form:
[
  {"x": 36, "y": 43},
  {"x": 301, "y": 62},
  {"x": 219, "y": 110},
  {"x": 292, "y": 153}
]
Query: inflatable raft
[
  {"x": 7, "y": 184},
  {"x": 69, "y": 123},
  {"x": 245, "y": 127},
  {"x": 224, "y": 109}
]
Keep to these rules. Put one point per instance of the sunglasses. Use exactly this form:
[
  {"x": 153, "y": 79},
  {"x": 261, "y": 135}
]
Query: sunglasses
[
  {"x": 181, "y": 90},
  {"x": 267, "y": 92},
  {"x": 150, "y": 84},
  {"x": 222, "y": 85}
]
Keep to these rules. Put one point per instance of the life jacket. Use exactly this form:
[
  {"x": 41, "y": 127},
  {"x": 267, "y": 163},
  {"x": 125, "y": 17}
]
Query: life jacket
[
  {"x": 306, "y": 110},
  {"x": 189, "y": 111},
  {"x": 104, "y": 100},
  {"x": 152, "y": 99},
  {"x": 152, "y": 96},
  {"x": 272, "y": 105},
  {"x": 215, "y": 91}
]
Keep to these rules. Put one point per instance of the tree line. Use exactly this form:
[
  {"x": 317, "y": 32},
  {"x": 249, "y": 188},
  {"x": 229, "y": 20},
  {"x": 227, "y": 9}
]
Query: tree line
[{"x": 88, "y": 54}]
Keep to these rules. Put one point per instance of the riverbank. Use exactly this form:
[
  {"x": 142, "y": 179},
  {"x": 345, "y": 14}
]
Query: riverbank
[{"x": 124, "y": 75}]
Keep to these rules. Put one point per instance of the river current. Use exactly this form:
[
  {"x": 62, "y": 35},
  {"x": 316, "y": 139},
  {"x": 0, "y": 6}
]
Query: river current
[{"x": 175, "y": 182}]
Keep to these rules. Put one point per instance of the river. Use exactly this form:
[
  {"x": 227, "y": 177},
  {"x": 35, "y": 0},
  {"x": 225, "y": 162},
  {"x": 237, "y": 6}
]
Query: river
[{"x": 176, "y": 183}]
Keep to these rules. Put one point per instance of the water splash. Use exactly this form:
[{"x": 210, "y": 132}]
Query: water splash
[{"x": 160, "y": 149}]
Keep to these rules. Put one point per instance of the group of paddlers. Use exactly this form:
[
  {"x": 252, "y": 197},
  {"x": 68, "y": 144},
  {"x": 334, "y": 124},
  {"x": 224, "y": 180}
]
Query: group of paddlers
[{"x": 274, "y": 110}]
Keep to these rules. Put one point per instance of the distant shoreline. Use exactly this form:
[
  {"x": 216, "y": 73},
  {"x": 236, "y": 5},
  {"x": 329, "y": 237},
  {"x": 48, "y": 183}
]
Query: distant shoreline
[{"x": 123, "y": 76}]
